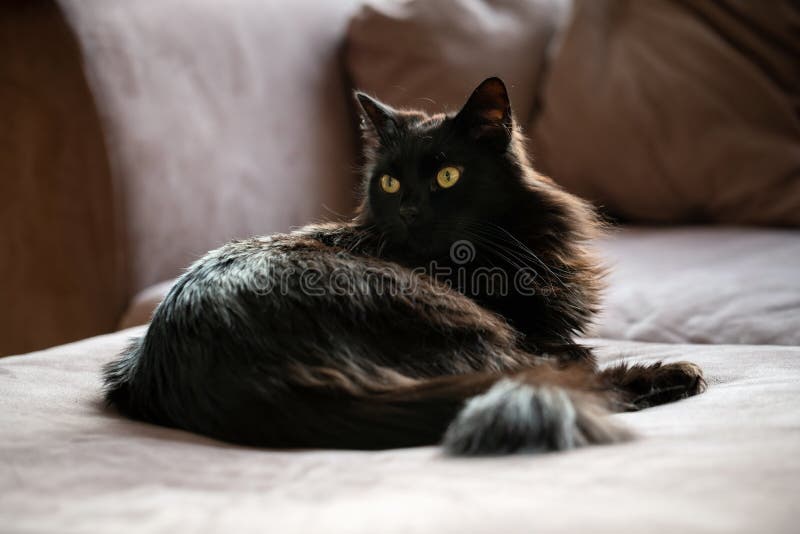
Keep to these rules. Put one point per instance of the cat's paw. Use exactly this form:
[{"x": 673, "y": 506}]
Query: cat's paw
[{"x": 670, "y": 382}]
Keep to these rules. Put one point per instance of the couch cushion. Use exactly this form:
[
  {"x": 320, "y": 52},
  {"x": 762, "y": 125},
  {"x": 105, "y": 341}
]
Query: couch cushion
[
  {"x": 725, "y": 461},
  {"x": 677, "y": 111},
  {"x": 429, "y": 55},
  {"x": 223, "y": 119},
  {"x": 703, "y": 285}
]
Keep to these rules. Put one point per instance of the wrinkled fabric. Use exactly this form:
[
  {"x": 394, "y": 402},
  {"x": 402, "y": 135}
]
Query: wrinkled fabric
[{"x": 724, "y": 461}]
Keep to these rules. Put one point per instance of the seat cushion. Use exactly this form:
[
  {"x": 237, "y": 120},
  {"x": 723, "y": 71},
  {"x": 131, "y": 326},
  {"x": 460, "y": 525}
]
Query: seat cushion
[
  {"x": 429, "y": 55},
  {"x": 724, "y": 461},
  {"x": 703, "y": 285}
]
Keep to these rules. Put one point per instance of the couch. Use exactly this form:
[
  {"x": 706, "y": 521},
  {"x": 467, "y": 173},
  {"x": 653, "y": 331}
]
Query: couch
[{"x": 145, "y": 133}]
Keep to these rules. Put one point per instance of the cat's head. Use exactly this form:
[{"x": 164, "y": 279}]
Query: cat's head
[{"x": 429, "y": 179}]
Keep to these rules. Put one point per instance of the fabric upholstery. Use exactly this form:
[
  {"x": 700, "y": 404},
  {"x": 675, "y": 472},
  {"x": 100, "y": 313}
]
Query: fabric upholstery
[
  {"x": 223, "y": 119},
  {"x": 725, "y": 461},
  {"x": 702, "y": 285},
  {"x": 429, "y": 55},
  {"x": 677, "y": 111}
]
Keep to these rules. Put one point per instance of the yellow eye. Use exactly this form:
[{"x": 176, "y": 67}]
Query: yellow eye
[
  {"x": 447, "y": 177},
  {"x": 389, "y": 184}
]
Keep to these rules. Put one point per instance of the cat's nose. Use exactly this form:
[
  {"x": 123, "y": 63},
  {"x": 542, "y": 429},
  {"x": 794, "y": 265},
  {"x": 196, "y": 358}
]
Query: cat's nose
[{"x": 409, "y": 213}]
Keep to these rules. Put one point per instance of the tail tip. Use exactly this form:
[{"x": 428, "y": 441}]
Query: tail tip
[{"x": 516, "y": 417}]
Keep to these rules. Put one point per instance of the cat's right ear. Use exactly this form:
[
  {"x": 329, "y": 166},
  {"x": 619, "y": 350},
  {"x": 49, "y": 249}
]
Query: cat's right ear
[{"x": 377, "y": 117}]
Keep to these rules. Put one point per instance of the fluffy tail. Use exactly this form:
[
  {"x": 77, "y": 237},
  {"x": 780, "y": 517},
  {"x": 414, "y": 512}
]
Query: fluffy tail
[
  {"x": 539, "y": 409},
  {"x": 515, "y": 416},
  {"x": 536, "y": 410}
]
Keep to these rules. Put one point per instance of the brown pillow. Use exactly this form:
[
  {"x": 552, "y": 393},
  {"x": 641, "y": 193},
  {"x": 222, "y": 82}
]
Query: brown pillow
[
  {"x": 677, "y": 111},
  {"x": 429, "y": 54}
]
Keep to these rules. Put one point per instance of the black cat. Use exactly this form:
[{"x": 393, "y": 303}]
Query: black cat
[{"x": 446, "y": 311}]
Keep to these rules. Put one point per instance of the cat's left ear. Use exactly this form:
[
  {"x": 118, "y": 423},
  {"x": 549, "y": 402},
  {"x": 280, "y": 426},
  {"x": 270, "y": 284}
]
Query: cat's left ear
[
  {"x": 379, "y": 117},
  {"x": 487, "y": 114}
]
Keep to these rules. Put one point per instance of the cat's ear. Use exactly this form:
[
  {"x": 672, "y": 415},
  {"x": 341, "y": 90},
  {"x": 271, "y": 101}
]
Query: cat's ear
[
  {"x": 377, "y": 116},
  {"x": 487, "y": 114}
]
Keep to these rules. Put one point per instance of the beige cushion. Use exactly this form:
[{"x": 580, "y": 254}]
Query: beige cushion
[
  {"x": 223, "y": 119},
  {"x": 431, "y": 54},
  {"x": 678, "y": 111},
  {"x": 702, "y": 285}
]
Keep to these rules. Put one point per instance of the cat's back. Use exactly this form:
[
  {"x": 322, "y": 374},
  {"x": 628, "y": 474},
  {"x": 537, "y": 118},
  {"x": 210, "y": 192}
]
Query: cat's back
[
  {"x": 222, "y": 280},
  {"x": 237, "y": 307}
]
